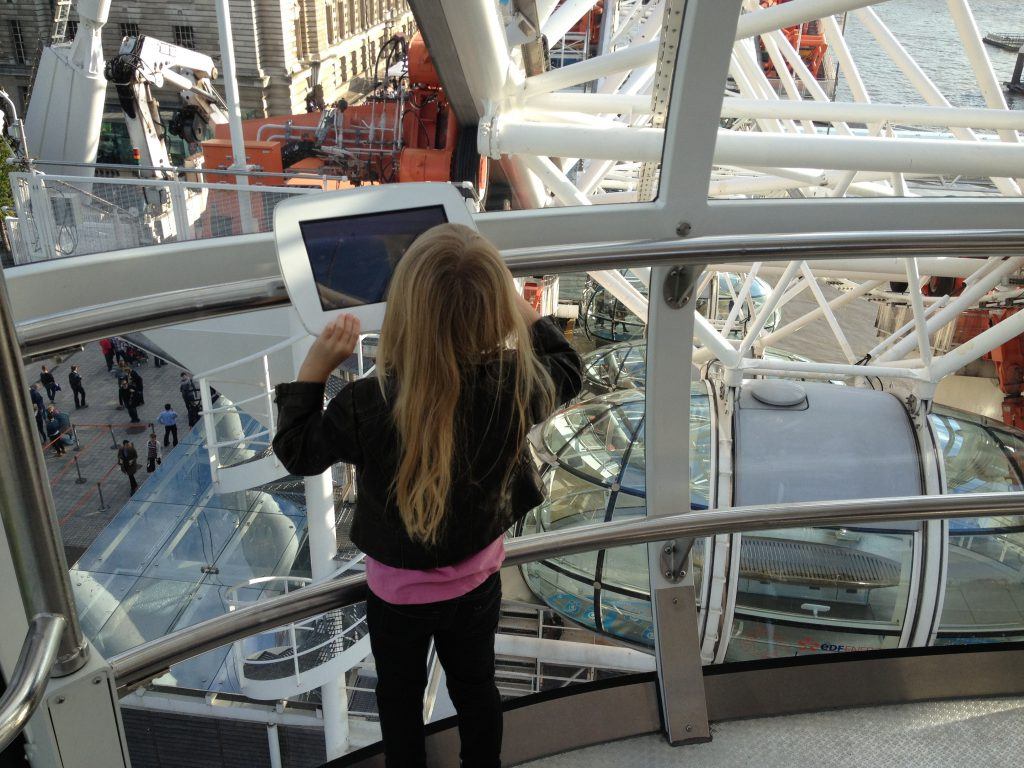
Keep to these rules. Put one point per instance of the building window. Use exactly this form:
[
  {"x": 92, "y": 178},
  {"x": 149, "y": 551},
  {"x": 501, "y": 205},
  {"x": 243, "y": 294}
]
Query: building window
[
  {"x": 355, "y": 64},
  {"x": 344, "y": 69},
  {"x": 129, "y": 29},
  {"x": 185, "y": 37},
  {"x": 72, "y": 29},
  {"x": 18, "y": 42},
  {"x": 331, "y": 31}
]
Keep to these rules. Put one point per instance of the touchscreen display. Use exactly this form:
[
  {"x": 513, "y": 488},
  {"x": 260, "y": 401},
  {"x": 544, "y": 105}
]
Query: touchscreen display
[{"x": 353, "y": 256}]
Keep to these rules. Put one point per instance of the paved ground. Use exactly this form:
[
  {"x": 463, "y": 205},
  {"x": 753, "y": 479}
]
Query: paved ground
[{"x": 80, "y": 511}]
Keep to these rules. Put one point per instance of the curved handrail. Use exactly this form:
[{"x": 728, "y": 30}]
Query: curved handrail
[
  {"x": 49, "y": 332},
  {"x": 138, "y": 665},
  {"x": 25, "y": 692}
]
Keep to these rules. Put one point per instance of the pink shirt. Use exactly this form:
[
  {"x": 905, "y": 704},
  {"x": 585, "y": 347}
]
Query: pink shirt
[{"x": 402, "y": 586}]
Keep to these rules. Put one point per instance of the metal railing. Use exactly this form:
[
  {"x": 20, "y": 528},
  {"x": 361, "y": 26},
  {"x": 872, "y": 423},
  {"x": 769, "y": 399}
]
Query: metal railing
[
  {"x": 60, "y": 216},
  {"x": 137, "y": 666},
  {"x": 31, "y": 673},
  {"x": 49, "y": 332}
]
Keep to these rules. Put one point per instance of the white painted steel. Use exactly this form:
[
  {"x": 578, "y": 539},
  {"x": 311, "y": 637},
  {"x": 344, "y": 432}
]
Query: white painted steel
[
  {"x": 924, "y": 85},
  {"x": 622, "y": 60},
  {"x": 826, "y": 309},
  {"x": 917, "y": 304},
  {"x": 769, "y": 306},
  {"x": 596, "y": 103},
  {"x": 795, "y": 12},
  {"x": 842, "y": 111},
  {"x": 573, "y": 653},
  {"x": 564, "y": 18},
  {"x": 232, "y": 100},
  {"x": 836, "y": 303},
  {"x": 965, "y": 300}
]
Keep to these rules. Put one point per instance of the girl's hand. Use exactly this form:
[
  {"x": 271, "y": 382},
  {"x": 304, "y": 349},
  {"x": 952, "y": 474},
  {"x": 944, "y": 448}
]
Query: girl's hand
[{"x": 335, "y": 344}]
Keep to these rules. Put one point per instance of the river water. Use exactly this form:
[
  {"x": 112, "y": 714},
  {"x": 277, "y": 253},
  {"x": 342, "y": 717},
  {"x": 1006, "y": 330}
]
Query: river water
[{"x": 926, "y": 30}]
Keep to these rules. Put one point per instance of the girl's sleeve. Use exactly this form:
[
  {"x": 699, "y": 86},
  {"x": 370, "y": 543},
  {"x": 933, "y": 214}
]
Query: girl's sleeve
[
  {"x": 310, "y": 439},
  {"x": 559, "y": 358}
]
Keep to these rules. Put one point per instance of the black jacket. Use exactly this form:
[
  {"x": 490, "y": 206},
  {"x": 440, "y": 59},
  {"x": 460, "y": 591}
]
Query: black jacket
[{"x": 357, "y": 428}]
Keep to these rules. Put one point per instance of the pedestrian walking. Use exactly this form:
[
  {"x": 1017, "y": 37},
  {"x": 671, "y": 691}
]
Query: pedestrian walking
[
  {"x": 128, "y": 461},
  {"x": 169, "y": 419},
  {"x": 122, "y": 387},
  {"x": 75, "y": 380},
  {"x": 107, "y": 348},
  {"x": 439, "y": 484},
  {"x": 49, "y": 383},
  {"x": 154, "y": 454},
  {"x": 190, "y": 396},
  {"x": 39, "y": 405}
]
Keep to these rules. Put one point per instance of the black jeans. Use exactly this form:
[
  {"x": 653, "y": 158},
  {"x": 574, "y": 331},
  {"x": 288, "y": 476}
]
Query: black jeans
[
  {"x": 463, "y": 631},
  {"x": 169, "y": 432},
  {"x": 79, "y": 396}
]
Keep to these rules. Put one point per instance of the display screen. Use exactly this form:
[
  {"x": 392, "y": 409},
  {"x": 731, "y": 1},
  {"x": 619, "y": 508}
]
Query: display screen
[{"x": 353, "y": 257}]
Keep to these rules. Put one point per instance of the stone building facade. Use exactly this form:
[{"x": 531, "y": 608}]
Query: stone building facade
[{"x": 281, "y": 46}]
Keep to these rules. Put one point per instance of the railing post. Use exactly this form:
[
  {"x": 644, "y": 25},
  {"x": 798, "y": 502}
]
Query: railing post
[
  {"x": 210, "y": 428},
  {"x": 27, "y": 506},
  {"x": 42, "y": 217},
  {"x": 271, "y": 418},
  {"x": 673, "y": 602},
  {"x": 179, "y": 208}
]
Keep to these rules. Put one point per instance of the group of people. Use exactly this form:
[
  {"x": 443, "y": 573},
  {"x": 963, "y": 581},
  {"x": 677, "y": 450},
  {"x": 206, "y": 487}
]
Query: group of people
[{"x": 53, "y": 425}]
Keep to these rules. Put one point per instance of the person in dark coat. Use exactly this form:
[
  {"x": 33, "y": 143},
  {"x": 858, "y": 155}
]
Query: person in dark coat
[
  {"x": 49, "y": 383},
  {"x": 121, "y": 373},
  {"x": 130, "y": 397},
  {"x": 136, "y": 380},
  {"x": 58, "y": 429},
  {"x": 190, "y": 396},
  {"x": 39, "y": 405},
  {"x": 128, "y": 461},
  {"x": 75, "y": 380},
  {"x": 120, "y": 349}
]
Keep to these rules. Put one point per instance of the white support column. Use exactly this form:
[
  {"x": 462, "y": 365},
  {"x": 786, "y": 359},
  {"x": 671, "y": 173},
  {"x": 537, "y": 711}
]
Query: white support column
[
  {"x": 320, "y": 532},
  {"x": 231, "y": 97},
  {"x": 794, "y": 12},
  {"x": 923, "y": 84},
  {"x": 769, "y": 306},
  {"x": 963, "y": 18},
  {"x": 836, "y": 303},
  {"x": 830, "y": 317},
  {"x": 967, "y": 299},
  {"x": 998, "y": 334},
  {"x": 565, "y": 18},
  {"x": 917, "y": 304},
  {"x": 740, "y": 300}
]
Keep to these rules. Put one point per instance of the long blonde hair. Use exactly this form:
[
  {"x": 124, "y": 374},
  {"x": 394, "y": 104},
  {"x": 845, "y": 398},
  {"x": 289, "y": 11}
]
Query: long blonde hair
[{"x": 451, "y": 305}]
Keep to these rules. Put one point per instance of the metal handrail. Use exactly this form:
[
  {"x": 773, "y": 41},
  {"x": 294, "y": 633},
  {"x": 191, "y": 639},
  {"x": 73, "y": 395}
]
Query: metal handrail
[
  {"x": 31, "y": 673},
  {"x": 138, "y": 665},
  {"x": 49, "y": 332}
]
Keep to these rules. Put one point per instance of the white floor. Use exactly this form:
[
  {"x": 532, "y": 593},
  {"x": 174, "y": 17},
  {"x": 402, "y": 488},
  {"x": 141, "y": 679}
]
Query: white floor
[{"x": 987, "y": 733}]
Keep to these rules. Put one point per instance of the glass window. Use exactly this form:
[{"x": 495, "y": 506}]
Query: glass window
[
  {"x": 975, "y": 461},
  {"x": 185, "y": 37},
  {"x": 129, "y": 29},
  {"x": 820, "y": 590}
]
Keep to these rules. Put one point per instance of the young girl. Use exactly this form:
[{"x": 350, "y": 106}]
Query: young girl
[{"x": 464, "y": 368}]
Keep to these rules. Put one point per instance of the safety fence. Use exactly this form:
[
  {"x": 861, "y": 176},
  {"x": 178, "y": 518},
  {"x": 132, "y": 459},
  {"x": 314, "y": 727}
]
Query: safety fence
[
  {"x": 59, "y": 216},
  {"x": 85, "y": 477}
]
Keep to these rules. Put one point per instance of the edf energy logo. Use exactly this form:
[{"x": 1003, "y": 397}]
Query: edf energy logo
[{"x": 810, "y": 645}]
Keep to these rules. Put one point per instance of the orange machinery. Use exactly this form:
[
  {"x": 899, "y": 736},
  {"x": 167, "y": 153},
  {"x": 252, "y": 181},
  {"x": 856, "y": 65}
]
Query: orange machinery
[
  {"x": 805, "y": 38},
  {"x": 403, "y": 131}
]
